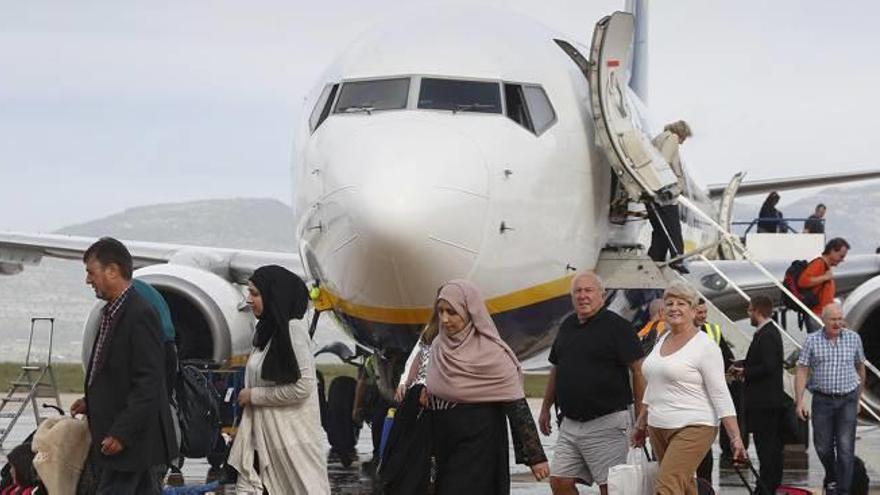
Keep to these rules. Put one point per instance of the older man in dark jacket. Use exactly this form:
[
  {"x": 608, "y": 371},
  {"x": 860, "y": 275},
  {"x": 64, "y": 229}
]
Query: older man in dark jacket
[{"x": 126, "y": 399}]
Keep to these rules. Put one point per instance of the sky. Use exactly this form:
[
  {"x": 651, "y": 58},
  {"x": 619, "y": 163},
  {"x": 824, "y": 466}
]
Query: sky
[{"x": 106, "y": 105}]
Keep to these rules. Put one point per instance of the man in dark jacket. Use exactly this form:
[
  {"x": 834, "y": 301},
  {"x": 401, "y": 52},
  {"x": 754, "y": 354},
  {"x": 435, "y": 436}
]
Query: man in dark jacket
[
  {"x": 126, "y": 399},
  {"x": 764, "y": 393}
]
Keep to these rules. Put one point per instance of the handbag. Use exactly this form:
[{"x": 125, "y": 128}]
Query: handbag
[{"x": 636, "y": 477}]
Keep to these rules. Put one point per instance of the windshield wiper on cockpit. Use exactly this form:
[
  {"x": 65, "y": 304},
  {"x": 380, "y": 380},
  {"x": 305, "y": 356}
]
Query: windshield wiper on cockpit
[
  {"x": 359, "y": 109},
  {"x": 471, "y": 107}
]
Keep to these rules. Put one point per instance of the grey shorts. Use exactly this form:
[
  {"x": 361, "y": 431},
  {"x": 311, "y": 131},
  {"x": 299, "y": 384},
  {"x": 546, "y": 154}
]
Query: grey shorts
[{"x": 586, "y": 451}]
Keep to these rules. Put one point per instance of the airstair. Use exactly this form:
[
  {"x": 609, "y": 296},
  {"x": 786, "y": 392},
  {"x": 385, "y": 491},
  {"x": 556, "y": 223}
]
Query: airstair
[
  {"x": 630, "y": 268},
  {"x": 642, "y": 174},
  {"x": 35, "y": 380}
]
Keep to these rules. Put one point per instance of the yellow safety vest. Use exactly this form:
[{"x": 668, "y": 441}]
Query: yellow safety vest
[{"x": 713, "y": 330}]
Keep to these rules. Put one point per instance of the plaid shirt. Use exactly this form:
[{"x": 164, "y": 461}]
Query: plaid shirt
[
  {"x": 833, "y": 365},
  {"x": 109, "y": 312}
]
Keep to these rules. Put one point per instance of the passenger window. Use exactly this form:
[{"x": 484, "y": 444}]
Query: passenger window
[
  {"x": 374, "y": 95},
  {"x": 322, "y": 106},
  {"x": 540, "y": 109},
  {"x": 459, "y": 96},
  {"x": 517, "y": 110}
]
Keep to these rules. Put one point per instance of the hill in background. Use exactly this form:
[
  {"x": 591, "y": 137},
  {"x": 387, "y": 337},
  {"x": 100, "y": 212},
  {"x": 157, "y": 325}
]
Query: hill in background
[
  {"x": 264, "y": 224},
  {"x": 57, "y": 287},
  {"x": 853, "y": 213}
]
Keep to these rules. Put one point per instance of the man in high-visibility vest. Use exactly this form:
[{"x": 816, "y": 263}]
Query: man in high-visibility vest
[
  {"x": 655, "y": 328},
  {"x": 713, "y": 330}
]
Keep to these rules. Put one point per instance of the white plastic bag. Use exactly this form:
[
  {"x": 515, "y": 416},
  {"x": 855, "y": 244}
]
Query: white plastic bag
[{"x": 636, "y": 477}]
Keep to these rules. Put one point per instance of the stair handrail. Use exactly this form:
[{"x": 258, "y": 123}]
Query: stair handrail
[{"x": 747, "y": 255}]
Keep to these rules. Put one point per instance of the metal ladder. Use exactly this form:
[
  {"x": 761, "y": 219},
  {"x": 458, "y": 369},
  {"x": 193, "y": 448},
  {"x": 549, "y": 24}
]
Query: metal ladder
[
  {"x": 35, "y": 380},
  {"x": 630, "y": 268},
  {"x": 790, "y": 342}
]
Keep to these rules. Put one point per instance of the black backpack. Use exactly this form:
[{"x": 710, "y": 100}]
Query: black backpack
[
  {"x": 860, "y": 481},
  {"x": 198, "y": 412},
  {"x": 790, "y": 281}
]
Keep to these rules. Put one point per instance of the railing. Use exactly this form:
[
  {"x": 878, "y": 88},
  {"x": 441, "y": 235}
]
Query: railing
[
  {"x": 735, "y": 242},
  {"x": 782, "y": 221}
]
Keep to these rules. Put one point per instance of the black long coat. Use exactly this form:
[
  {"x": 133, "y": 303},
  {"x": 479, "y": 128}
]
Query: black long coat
[
  {"x": 127, "y": 397},
  {"x": 763, "y": 370}
]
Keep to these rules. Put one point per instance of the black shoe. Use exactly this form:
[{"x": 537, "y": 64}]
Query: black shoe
[
  {"x": 369, "y": 468},
  {"x": 680, "y": 268}
]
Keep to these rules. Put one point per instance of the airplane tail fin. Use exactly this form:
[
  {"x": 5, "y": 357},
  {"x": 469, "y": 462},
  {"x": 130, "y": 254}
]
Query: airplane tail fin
[{"x": 639, "y": 70}]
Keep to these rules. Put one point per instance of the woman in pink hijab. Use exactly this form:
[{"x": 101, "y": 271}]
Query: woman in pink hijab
[{"x": 474, "y": 380}]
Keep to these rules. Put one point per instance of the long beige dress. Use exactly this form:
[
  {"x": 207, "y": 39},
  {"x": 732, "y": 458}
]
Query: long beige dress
[{"x": 283, "y": 425}]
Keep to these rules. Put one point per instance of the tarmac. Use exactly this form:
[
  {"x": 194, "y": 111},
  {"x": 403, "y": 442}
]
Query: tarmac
[{"x": 353, "y": 481}]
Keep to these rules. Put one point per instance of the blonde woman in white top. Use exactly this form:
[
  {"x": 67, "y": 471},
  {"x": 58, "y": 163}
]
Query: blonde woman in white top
[{"x": 685, "y": 398}]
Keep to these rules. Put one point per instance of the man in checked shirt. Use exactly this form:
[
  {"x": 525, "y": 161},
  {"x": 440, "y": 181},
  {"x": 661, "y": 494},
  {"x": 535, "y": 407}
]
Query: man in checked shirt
[
  {"x": 835, "y": 363},
  {"x": 126, "y": 402}
]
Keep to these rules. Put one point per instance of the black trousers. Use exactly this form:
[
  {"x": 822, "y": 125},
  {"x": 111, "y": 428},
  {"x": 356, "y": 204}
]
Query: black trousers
[
  {"x": 766, "y": 427},
  {"x": 128, "y": 483},
  {"x": 470, "y": 445},
  {"x": 376, "y": 418},
  {"x": 669, "y": 217}
]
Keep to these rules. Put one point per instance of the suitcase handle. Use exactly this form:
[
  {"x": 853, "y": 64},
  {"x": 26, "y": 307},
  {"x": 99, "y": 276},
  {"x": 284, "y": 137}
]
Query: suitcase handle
[{"x": 739, "y": 472}]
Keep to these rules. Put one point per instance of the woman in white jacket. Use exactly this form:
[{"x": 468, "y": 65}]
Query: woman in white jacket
[{"x": 279, "y": 445}]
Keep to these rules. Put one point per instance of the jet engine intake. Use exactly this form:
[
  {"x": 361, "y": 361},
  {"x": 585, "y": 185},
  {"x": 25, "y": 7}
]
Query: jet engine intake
[
  {"x": 211, "y": 320},
  {"x": 861, "y": 311}
]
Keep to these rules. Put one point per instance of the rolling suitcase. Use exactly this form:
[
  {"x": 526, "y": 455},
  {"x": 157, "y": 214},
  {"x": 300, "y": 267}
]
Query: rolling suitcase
[{"x": 781, "y": 489}]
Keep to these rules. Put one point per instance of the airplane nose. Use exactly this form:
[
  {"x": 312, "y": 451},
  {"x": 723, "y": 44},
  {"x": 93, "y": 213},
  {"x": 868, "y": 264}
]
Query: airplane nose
[{"x": 411, "y": 210}]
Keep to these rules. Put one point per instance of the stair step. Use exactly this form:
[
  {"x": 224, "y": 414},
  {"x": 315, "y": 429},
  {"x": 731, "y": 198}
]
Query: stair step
[
  {"x": 31, "y": 368},
  {"x": 19, "y": 383},
  {"x": 8, "y": 415},
  {"x": 14, "y": 399}
]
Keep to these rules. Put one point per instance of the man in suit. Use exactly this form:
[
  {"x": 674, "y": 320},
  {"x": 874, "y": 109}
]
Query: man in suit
[
  {"x": 764, "y": 393},
  {"x": 126, "y": 399}
]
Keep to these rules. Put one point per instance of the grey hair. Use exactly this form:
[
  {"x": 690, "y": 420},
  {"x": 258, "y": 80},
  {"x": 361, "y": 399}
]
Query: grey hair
[
  {"x": 826, "y": 310},
  {"x": 680, "y": 128},
  {"x": 655, "y": 306},
  {"x": 586, "y": 273},
  {"x": 682, "y": 291}
]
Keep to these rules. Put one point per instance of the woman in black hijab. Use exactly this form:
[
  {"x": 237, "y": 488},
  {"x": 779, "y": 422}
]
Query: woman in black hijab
[{"x": 279, "y": 445}]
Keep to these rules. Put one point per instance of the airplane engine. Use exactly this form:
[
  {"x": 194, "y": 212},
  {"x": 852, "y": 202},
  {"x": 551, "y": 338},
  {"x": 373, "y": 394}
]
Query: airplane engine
[
  {"x": 209, "y": 313},
  {"x": 862, "y": 313}
]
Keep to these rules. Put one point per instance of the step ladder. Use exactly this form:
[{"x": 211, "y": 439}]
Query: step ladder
[
  {"x": 36, "y": 380},
  {"x": 792, "y": 343}
]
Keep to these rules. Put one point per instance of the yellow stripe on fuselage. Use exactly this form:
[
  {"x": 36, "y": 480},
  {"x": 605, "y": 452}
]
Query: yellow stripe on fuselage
[{"x": 419, "y": 316}]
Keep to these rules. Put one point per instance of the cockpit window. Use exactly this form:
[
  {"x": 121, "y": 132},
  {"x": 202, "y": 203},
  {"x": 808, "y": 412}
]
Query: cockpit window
[
  {"x": 460, "y": 96},
  {"x": 322, "y": 107},
  {"x": 540, "y": 108},
  {"x": 528, "y": 106},
  {"x": 373, "y": 95}
]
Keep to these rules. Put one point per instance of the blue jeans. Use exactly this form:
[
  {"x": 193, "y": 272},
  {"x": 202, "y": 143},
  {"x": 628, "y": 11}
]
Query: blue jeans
[{"x": 834, "y": 436}]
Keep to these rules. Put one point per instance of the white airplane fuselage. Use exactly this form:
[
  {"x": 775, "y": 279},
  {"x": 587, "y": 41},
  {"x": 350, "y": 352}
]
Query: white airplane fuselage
[{"x": 392, "y": 203}]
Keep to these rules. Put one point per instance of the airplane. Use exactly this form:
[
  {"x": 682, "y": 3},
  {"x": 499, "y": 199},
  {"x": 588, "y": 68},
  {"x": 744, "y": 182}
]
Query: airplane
[{"x": 447, "y": 147}]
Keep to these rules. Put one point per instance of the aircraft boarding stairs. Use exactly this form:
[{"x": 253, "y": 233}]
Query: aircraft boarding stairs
[
  {"x": 35, "y": 380},
  {"x": 643, "y": 174},
  {"x": 630, "y": 268}
]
